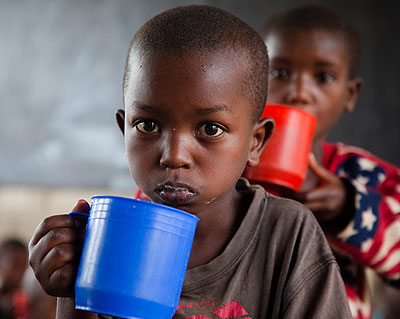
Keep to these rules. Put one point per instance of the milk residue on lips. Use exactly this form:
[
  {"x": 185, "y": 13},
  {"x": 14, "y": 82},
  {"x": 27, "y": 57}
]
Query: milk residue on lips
[{"x": 175, "y": 194}]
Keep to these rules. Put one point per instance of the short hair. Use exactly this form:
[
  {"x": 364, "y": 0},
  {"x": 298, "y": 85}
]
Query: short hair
[
  {"x": 202, "y": 29},
  {"x": 313, "y": 16},
  {"x": 12, "y": 244}
]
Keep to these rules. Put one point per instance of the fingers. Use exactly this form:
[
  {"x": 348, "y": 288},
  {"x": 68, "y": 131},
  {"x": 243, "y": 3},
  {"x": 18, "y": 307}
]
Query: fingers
[
  {"x": 61, "y": 221},
  {"x": 326, "y": 202},
  {"x": 63, "y": 261},
  {"x": 50, "y": 240},
  {"x": 55, "y": 249},
  {"x": 62, "y": 281},
  {"x": 48, "y": 224},
  {"x": 324, "y": 193}
]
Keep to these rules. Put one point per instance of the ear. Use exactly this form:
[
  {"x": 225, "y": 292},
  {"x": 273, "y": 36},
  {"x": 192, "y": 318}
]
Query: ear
[
  {"x": 261, "y": 133},
  {"x": 353, "y": 91},
  {"x": 120, "y": 117}
]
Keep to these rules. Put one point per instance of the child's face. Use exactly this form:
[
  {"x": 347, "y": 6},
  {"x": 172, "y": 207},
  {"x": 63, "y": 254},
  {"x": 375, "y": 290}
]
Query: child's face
[
  {"x": 310, "y": 70},
  {"x": 188, "y": 130}
]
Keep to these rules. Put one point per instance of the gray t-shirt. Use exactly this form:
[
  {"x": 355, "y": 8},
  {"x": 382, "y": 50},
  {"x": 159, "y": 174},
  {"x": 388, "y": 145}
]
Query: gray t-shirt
[{"x": 277, "y": 265}]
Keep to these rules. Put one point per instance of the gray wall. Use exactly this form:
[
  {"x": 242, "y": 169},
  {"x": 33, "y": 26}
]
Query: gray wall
[{"x": 61, "y": 65}]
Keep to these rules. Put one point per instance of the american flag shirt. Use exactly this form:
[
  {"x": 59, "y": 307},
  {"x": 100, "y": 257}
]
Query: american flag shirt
[{"x": 372, "y": 238}]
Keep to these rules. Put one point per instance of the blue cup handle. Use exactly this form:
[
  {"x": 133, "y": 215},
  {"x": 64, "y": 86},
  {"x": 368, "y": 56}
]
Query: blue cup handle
[{"x": 79, "y": 214}]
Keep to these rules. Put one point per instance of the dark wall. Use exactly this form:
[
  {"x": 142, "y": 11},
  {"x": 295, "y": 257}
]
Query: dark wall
[{"x": 60, "y": 83}]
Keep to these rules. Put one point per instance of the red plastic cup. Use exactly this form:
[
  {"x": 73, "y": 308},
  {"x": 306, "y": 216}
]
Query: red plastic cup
[{"x": 284, "y": 161}]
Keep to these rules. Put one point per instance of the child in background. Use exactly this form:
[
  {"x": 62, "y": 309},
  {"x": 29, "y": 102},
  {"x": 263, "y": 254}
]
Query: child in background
[
  {"x": 195, "y": 86},
  {"x": 355, "y": 196},
  {"x": 14, "y": 303}
]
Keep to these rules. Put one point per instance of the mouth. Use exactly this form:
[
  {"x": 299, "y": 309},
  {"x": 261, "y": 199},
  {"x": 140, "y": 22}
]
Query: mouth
[{"x": 175, "y": 193}]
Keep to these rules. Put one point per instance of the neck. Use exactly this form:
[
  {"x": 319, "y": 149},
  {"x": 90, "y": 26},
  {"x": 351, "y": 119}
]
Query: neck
[{"x": 216, "y": 227}]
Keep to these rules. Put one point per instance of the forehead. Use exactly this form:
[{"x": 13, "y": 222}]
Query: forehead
[
  {"x": 308, "y": 46},
  {"x": 196, "y": 79}
]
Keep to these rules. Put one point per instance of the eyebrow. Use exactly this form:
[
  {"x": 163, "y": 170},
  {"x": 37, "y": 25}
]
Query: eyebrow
[
  {"x": 326, "y": 64},
  {"x": 282, "y": 60},
  {"x": 146, "y": 108},
  {"x": 320, "y": 64},
  {"x": 213, "y": 109},
  {"x": 199, "y": 111}
]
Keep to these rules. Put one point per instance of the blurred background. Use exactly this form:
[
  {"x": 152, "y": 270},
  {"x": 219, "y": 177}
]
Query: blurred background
[{"x": 61, "y": 66}]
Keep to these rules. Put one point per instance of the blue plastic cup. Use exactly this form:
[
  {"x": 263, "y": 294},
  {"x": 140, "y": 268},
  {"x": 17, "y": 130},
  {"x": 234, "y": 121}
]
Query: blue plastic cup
[{"x": 134, "y": 258}]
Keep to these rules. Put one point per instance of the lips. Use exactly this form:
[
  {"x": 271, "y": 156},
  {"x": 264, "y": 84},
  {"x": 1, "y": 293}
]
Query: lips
[{"x": 175, "y": 193}]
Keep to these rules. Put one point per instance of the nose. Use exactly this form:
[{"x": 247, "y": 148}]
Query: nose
[
  {"x": 300, "y": 91},
  {"x": 176, "y": 151}
]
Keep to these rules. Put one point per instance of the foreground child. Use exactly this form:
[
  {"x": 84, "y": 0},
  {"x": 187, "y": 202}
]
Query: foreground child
[
  {"x": 195, "y": 86},
  {"x": 354, "y": 195}
]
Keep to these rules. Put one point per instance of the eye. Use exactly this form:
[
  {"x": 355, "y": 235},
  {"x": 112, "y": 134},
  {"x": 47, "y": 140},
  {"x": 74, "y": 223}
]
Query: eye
[
  {"x": 147, "y": 126},
  {"x": 279, "y": 73},
  {"x": 210, "y": 130},
  {"x": 325, "y": 77}
]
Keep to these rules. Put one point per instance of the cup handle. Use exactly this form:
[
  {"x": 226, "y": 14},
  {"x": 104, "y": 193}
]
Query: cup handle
[{"x": 78, "y": 213}]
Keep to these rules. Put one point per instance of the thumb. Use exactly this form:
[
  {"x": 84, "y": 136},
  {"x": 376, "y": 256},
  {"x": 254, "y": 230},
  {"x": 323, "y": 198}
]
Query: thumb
[
  {"x": 81, "y": 206},
  {"x": 321, "y": 172},
  {"x": 80, "y": 213}
]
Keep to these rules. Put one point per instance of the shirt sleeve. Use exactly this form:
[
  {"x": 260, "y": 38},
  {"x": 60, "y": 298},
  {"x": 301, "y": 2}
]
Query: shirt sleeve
[{"x": 373, "y": 235}]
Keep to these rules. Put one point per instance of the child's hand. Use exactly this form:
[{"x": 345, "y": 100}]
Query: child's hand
[
  {"x": 328, "y": 200},
  {"x": 55, "y": 249}
]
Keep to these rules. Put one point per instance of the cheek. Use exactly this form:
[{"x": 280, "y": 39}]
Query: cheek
[
  {"x": 329, "y": 114},
  {"x": 232, "y": 157},
  {"x": 141, "y": 158},
  {"x": 276, "y": 92}
]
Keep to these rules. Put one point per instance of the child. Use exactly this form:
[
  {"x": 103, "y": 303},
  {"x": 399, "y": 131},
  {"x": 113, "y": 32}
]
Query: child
[
  {"x": 195, "y": 85},
  {"x": 14, "y": 302},
  {"x": 354, "y": 195}
]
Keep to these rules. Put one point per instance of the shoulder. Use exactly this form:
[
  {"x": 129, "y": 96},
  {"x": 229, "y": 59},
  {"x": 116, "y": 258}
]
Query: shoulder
[
  {"x": 273, "y": 207},
  {"x": 342, "y": 152},
  {"x": 284, "y": 222},
  {"x": 290, "y": 222},
  {"x": 288, "y": 211},
  {"x": 348, "y": 161}
]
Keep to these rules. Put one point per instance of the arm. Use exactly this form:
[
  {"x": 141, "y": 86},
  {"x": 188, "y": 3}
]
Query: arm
[
  {"x": 373, "y": 235},
  {"x": 371, "y": 232},
  {"x": 66, "y": 310},
  {"x": 357, "y": 204}
]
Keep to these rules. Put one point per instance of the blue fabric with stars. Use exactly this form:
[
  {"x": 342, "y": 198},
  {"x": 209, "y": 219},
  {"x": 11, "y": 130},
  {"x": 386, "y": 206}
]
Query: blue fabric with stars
[{"x": 366, "y": 218}]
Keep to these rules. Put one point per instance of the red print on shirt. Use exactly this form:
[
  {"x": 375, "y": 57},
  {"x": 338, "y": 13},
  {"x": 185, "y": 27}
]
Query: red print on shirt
[{"x": 213, "y": 310}]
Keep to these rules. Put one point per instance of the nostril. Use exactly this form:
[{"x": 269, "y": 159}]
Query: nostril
[{"x": 176, "y": 157}]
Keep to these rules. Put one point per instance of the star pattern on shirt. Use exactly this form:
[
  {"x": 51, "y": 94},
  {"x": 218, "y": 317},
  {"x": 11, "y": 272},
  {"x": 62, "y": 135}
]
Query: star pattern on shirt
[
  {"x": 348, "y": 232},
  {"x": 366, "y": 164},
  {"x": 368, "y": 219},
  {"x": 364, "y": 174},
  {"x": 360, "y": 183}
]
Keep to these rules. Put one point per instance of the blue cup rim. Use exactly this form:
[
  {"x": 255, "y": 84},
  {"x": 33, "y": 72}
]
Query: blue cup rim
[{"x": 144, "y": 202}]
